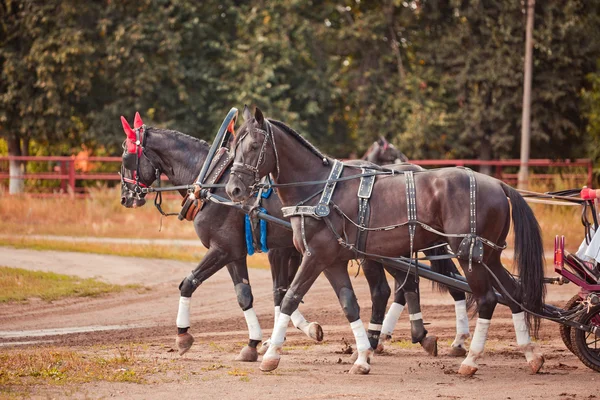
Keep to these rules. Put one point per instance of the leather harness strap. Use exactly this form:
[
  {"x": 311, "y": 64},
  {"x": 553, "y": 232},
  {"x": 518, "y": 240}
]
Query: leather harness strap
[{"x": 365, "y": 189}]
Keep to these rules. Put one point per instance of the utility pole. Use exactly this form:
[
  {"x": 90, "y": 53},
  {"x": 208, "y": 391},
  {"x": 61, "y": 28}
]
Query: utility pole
[{"x": 526, "y": 116}]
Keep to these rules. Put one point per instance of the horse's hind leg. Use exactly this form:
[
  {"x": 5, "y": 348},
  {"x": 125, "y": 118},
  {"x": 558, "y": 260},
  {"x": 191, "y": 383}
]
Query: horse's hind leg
[
  {"x": 380, "y": 293},
  {"x": 339, "y": 279},
  {"x": 533, "y": 357},
  {"x": 480, "y": 283},
  {"x": 239, "y": 275},
  {"x": 417, "y": 328},
  {"x": 393, "y": 314},
  {"x": 214, "y": 260}
]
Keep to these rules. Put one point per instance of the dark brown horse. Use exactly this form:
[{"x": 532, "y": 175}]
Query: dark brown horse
[
  {"x": 383, "y": 152},
  {"x": 163, "y": 150},
  {"x": 219, "y": 228},
  {"x": 453, "y": 205}
]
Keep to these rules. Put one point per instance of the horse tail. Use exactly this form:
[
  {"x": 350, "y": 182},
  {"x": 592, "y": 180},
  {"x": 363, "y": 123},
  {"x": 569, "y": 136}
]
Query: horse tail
[
  {"x": 529, "y": 256},
  {"x": 443, "y": 266}
]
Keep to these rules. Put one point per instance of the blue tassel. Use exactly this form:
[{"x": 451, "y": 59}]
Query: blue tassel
[
  {"x": 249, "y": 244},
  {"x": 263, "y": 233}
]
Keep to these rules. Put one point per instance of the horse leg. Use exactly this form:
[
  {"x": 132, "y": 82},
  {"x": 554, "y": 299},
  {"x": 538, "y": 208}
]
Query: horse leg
[
  {"x": 393, "y": 314},
  {"x": 447, "y": 267},
  {"x": 280, "y": 275},
  {"x": 380, "y": 293},
  {"x": 311, "y": 329},
  {"x": 238, "y": 271},
  {"x": 309, "y": 270},
  {"x": 534, "y": 358},
  {"x": 339, "y": 279},
  {"x": 479, "y": 281},
  {"x": 213, "y": 261},
  {"x": 417, "y": 328}
]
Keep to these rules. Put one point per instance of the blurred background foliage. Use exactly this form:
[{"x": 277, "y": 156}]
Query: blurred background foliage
[{"x": 439, "y": 78}]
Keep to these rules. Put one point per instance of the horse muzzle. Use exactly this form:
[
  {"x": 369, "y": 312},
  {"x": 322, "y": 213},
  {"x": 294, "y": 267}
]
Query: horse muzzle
[{"x": 236, "y": 189}]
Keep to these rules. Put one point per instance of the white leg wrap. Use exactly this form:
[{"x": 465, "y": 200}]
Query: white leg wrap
[
  {"x": 278, "y": 336},
  {"x": 462, "y": 323},
  {"x": 523, "y": 338},
  {"x": 299, "y": 321},
  {"x": 462, "y": 319},
  {"x": 375, "y": 327},
  {"x": 415, "y": 317},
  {"x": 183, "y": 315},
  {"x": 360, "y": 334},
  {"x": 279, "y": 330},
  {"x": 276, "y": 314},
  {"x": 391, "y": 318},
  {"x": 478, "y": 342},
  {"x": 254, "y": 332}
]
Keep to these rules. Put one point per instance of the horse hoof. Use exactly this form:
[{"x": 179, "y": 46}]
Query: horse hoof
[
  {"x": 380, "y": 348},
  {"x": 264, "y": 346},
  {"x": 467, "y": 370},
  {"x": 315, "y": 331},
  {"x": 269, "y": 365},
  {"x": 536, "y": 364},
  {"x": 457, "y": 351},
  {"x": 184, "y": 342},
  {"x": 354, "y": 357},
  {"x": 359, "y": 369},
  {"x": 248, "y": 354},
  {"x": 429, "y": 344}
]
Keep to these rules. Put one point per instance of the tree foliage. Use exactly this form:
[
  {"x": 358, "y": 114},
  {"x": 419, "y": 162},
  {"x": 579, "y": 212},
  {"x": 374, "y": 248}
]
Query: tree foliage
[{"x": 440, "y": 78}]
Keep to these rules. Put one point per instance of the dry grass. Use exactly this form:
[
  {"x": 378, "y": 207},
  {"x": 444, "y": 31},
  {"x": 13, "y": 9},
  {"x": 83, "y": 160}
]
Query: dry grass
[
  {"x": 18, "y": 284},
  {"x": 100, "y": 214},
  {"x": 21, "y": 368}
]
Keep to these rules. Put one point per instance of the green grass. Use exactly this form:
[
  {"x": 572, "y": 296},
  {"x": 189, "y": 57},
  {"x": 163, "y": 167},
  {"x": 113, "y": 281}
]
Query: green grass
[
  {"x": 179, "y": 253},
  {"x": 18, "y": 285}
]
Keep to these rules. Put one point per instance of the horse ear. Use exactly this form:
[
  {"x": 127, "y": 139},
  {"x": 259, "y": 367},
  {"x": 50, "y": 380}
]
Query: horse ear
[
  {"x": 259, "y": 116},
  {"x": 128, "y": 131},
  {"x": 137, "y": 122},
  {"x": 381, "y": 141},
  {"x": 246, "y": 113}
]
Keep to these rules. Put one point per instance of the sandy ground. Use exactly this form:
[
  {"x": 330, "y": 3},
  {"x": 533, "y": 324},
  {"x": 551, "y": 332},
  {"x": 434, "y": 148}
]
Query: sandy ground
[{"x": 307, "y": 370}]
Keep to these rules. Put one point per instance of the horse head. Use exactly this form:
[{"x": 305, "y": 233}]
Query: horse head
[
  {"x": 137, "y": 172},
  {"x": 254, "y": 155},
  {"x": 383, "y": 152}
]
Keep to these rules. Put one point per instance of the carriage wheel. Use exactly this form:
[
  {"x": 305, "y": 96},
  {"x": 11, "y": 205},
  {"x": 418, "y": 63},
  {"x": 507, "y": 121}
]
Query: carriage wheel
[
  {"x": 586, "y": 345},
  {"x": 565, "y": 330}
]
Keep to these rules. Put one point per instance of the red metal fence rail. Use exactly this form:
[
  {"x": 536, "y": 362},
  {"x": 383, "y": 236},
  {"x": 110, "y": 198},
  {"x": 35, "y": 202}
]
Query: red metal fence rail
[{"x": 63, "y": 169}]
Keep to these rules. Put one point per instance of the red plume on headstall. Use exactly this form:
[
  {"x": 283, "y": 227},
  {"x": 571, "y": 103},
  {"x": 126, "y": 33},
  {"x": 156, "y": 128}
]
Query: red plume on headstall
[
  {"x": 137, "y": 122},
  {"x": 130, "y": 133}
]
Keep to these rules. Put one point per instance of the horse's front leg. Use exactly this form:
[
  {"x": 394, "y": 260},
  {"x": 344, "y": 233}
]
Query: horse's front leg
[
  {"x": 214, "y": 260},
  {"x": 284, "y": 265},
  {"x": 238, "y": 270},
  {"x": 309, "y": 270},
  {"x": 337, "y": 275}
]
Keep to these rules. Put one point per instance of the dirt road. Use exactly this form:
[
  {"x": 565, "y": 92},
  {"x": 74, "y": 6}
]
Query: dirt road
[{"x": 307, "y": 370}]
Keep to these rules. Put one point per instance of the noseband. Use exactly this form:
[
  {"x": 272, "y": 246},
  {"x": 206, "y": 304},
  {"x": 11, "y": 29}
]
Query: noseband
[{"x": 247, "y": 169}]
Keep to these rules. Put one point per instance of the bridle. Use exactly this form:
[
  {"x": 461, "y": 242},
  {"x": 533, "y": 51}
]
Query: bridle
[
  {"x": 253, "y": 170},
  {"x": 140, "y": 189}
]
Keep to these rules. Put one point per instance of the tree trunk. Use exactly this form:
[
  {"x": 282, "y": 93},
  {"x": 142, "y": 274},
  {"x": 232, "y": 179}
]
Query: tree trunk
[
  {"x": 485, "y": 154},
  {"x": 15, "y": 168}
]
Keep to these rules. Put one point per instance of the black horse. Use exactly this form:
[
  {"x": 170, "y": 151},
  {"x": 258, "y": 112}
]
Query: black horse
[
  {"x": 219, "y": 228},
  {"x": 467, "y": 210}
]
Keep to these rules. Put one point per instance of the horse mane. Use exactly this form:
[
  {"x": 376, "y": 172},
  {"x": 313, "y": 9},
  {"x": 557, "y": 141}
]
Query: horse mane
[
  {"x": 180, "y": 135},
  {"x": 300, "y": 139}
]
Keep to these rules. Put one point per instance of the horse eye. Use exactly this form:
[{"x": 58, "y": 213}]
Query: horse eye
[{"x": 254, "y": 145}]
